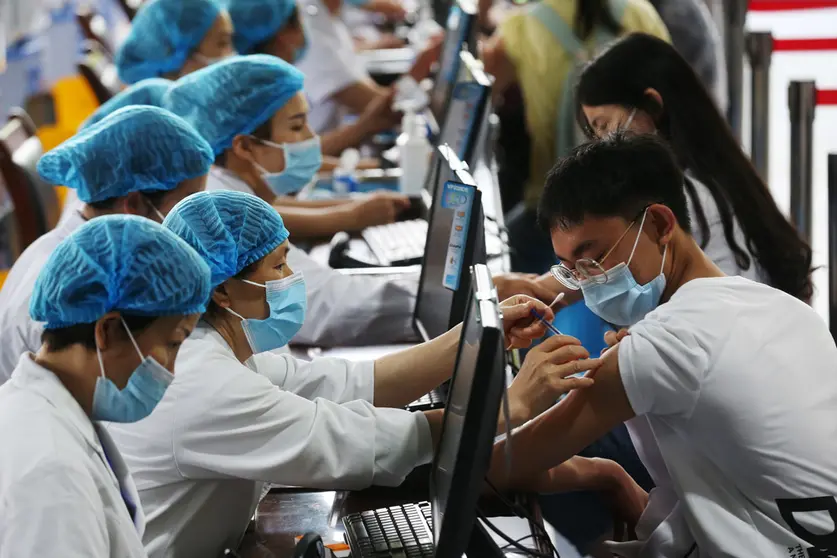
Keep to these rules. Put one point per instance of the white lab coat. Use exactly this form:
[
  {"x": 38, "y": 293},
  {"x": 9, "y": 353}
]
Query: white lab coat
[
  {"x": 19, "y": 334},
  {"x": 201, "y": 458},
  {"x": 58, "y": 496},
  {"x": 343, "y": 310}
]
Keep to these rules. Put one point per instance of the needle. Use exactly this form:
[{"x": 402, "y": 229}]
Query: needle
[{"x": 548, "y": 325}]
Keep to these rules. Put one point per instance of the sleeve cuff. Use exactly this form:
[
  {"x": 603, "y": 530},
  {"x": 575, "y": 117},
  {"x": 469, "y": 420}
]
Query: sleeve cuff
[
  {"x": 425, "y": 440},
  {"x": 365, "y": 372}
]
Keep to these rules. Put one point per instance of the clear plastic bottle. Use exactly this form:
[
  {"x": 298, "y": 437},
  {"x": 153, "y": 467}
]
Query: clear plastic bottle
[
  {"x": 344, "y": 178},
  {"x": 414, "y": 152}
]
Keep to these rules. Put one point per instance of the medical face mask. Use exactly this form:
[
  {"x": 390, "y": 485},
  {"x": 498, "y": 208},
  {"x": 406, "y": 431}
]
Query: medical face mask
[
  {"x": 300, "y": 52},
  {"x": 287, "y": 301},
  {"x": 620, "y": 300},
  {"x": 134, "y": 402},
  {"x": 302, "y": 161}
]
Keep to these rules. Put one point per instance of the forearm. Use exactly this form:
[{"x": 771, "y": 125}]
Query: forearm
[
  {"x": 560, "y": 433},
  {"x": 289, "y": 201},
  {"x": 308, "y": 222},
  {"x": 334, "y": 142},
  {"x": 405, "y": 376},
  {"x": 577, "y": 473}
]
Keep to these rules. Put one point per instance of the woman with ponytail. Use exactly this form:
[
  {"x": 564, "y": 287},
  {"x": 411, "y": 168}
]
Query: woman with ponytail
[{"x": 641, "y": 83}]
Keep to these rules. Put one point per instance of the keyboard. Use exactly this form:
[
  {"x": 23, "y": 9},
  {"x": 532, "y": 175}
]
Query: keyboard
[
  {"x": 434, "y": 400},
  {"x": 399, "y": 531},
  {"x": 397, "y": 244}
]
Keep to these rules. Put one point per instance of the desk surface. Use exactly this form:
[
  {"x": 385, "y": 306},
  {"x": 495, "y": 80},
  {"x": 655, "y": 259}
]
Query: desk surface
[{"x": 288, "y": 513}]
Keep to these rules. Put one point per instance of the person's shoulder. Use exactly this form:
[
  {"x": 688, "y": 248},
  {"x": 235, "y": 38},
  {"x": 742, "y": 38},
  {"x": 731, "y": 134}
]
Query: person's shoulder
[
  {"x": 45, "y": 441},
  {"x": 725, "y": 301},
  {"x": 640, "y": 16}
]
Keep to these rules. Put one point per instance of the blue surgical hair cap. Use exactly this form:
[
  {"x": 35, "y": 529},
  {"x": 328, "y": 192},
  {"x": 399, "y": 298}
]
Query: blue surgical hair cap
[
  {"x": 146, "y": 92},
  {"x": 230, "y": 230},
  {"x": 256, "y": 21},
  {"x": 119, "y": 262},
  {"x": 163, "y": 35},
  {"x": 233, "y": 97},
  {"x": 135, "y": 149}
]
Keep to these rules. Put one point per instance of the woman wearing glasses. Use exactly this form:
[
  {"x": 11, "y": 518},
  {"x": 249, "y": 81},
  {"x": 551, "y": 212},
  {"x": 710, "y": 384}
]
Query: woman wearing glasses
[{"x": 643, "y": 85}]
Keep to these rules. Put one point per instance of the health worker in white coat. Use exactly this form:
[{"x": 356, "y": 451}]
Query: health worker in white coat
[
  {"x": 252, "y": 111},
  {"x": 148, "y": 92},
  {"x": 172, "y": 38},
  {"x": 140, "y": 160},
  {"x": 117, "y": 298},
  {"x": 239, "y": 415}
]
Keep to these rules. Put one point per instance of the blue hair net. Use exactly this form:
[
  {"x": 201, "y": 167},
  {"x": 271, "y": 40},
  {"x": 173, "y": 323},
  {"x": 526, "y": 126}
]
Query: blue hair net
[
  {"x": 230, "y": 230},
  {"x": 146, "y": 92},
  {"x": 163, "y": 35},
  {"x": 256, "y": 21},
  {"x": 119, "y": 262},
  {"x": 135, "y": 149},
  {"x": 233, "y": 97}
]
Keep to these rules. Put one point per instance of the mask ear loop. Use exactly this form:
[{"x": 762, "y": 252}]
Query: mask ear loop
[
  {"x": 638, "y": 234},
  {"x": 662, "y": 265},
  {"x": 131, "y": 337}
]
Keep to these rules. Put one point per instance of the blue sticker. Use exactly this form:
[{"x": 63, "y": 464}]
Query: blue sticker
[{"x": 459, "y": 198}]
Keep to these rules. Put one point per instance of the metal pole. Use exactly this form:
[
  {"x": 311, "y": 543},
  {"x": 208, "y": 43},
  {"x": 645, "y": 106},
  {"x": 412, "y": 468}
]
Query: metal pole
[
  {"x": 832, "y": 244},
  {"x": 801, "y": 101},
  {"x": 736, "y": 12},
  {"x": 760, "y": 49}
]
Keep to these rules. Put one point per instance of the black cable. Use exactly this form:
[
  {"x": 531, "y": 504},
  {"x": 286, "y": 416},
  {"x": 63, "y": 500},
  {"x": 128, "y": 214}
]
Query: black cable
[
  {"x": 521, "y": 512},
  {"x": 518, "y": 541},
  {"x": 511, "y": 542}
]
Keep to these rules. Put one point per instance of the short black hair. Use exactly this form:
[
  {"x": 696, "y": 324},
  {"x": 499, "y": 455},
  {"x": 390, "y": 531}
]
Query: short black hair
[
  {"x": 213, "y": 309},
  {"x": 59, "y": 339},
  {"x": 263, "y": 132},
  {"x": 616, "y": 176},
  {"x": 154, "y": 196}
]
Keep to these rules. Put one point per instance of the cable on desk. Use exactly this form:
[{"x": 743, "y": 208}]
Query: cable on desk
[
  {"x": 514, "y": 544},
  {"x": 519, "y": 540},
  {"x": 521, "y": 512}
]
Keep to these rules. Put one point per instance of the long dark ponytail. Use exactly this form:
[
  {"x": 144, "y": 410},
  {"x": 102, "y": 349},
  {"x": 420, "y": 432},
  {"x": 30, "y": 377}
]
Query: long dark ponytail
[
  {"x": 590, "y": 14},
  {"x": 704, "y": 145}
]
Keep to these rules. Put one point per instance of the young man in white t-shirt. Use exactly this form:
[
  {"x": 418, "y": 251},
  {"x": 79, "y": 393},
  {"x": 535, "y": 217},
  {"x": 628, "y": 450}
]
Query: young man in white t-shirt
[{"x": 728, "y": 387}]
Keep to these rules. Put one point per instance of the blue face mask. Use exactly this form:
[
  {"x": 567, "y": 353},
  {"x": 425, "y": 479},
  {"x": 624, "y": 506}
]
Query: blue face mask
[
  {"x": 300, "y": 52},
  {"x": 134, "y": 402},
  {"x": 302, "y": 161},
  {"x": 287, "y": 301},
  {"x": 620, "y": 300}
]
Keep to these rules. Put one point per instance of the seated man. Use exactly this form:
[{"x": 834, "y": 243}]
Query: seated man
[{"x": 727, "y": 385}]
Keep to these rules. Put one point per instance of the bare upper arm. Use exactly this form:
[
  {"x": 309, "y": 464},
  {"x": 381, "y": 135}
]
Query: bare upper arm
[{"x": 560, "y": 433}]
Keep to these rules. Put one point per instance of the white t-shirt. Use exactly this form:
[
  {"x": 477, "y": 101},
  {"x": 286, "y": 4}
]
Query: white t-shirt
[
  {"x": 734, "y": 385},
  {"x": 330, "y": 64},
  {"x": 717, "y": 248}
]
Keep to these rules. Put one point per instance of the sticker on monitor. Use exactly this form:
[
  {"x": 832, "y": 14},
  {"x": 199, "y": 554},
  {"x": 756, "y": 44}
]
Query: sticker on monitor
[
  {"x": 458, "y": 198},
  {"x": 462, "y": 115}
]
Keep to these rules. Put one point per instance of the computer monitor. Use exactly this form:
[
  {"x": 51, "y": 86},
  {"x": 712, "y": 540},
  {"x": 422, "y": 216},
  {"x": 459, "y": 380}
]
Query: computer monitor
[
  {"x": 455, "y": 241},
  {"x": 461, "y": 28},
  {"x": 469, "y": 425},
  {"x": 466, "y": 110}
]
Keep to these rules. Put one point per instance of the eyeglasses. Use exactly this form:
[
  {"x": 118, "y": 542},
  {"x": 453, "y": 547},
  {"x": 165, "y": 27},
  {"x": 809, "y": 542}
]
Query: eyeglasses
[{"x": 588, "y": 269}]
